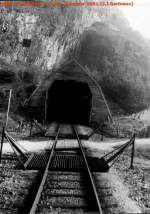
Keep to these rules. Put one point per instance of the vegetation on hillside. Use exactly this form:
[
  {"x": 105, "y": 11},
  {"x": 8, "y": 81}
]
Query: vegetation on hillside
[{"x": 120, "y": 64}]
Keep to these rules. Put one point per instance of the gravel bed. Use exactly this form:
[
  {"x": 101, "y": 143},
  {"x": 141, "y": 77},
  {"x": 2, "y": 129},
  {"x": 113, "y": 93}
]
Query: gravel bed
[
  {"x": 137, "y": 180},
  {"x": 8, "y": 163},
  {"x": 14, "y": 186}
]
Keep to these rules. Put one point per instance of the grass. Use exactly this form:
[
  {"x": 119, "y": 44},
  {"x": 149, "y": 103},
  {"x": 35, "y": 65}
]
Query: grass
[{"x": 143, "y": 152}]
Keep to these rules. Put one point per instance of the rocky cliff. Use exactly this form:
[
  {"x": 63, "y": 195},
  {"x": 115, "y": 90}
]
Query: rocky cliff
[{"x": 34, "y": 41}]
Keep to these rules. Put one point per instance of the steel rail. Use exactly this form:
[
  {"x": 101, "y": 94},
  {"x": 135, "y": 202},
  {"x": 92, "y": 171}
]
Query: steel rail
[
  {"x": 40, "y": 189},
  {"x": 89, "y": 172}
]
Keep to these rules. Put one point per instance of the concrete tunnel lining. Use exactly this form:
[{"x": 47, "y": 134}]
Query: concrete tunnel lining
[{"x": 69, "y": 101}]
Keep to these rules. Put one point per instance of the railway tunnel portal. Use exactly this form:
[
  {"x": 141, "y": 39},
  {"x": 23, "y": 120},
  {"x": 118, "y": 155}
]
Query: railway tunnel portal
[{"x": 69, "y": 95}]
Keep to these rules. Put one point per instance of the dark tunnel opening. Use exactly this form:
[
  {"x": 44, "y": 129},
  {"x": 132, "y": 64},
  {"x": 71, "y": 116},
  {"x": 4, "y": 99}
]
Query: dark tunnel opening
[{"x": 69, "y": 102}]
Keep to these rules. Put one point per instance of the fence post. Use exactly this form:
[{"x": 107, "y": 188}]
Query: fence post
[
  {"x": 2, "y": 141},
  {"x": 102, "y": 133},
  {"x": 132, "y": 153},
  {"x": 31, "y": 126},
  {"x": 8, "y": 108},
  {"x": 46, "y": 100}
]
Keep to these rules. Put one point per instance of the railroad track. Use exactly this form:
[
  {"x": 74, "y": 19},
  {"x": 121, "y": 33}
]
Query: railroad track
[{"x": 65, "y": 191}]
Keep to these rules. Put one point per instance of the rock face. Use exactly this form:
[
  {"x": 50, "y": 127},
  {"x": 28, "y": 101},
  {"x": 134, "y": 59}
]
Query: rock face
[
  {"x": 53, "y": 31},
  {"x": 40, "y": 40}
]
